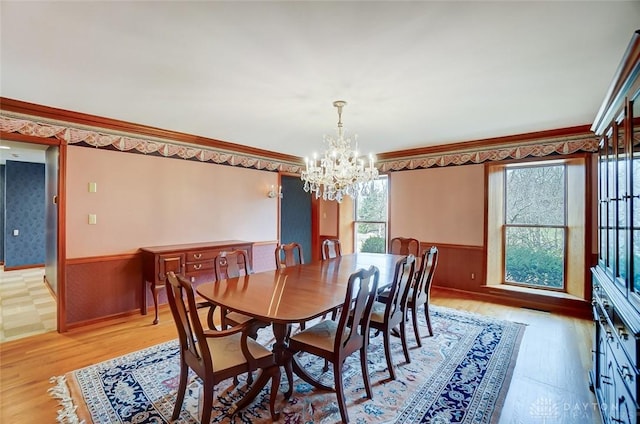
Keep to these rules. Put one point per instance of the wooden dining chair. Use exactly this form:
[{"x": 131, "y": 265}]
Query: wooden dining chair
[
  {"x": 331, "y": 249},
  {"x": 404, "y": 246},
  {"x": 289, "y": 255},
  {"x": 232, "y": 264},
  {"x": 390, "y": 312},
  {"x": 336, "y": 340},
  {"x": 420, "y": 293},
  {"x": 215, "y": 356},
  {"x": 227, "y": 264}
]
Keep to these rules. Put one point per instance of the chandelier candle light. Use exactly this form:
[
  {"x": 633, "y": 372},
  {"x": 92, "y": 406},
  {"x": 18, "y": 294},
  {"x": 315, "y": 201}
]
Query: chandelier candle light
[{"x": 340, "y": 171}]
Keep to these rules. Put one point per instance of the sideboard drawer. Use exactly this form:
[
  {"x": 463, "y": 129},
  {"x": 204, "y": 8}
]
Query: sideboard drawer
[
  {"x": 198, "y": 266},
  {"x": 202, "y": 255}
]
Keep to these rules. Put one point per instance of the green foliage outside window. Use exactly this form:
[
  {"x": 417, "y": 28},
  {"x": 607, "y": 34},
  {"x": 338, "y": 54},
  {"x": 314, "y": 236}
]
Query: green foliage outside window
[
  {"x": 372, "y": 207},
  {"x": 534, "y": 267},
  {"x": 374, "y": 245}
]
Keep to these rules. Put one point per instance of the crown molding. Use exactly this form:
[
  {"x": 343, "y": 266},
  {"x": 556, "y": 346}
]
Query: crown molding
[
  {"x": 29, "y": 121},
  {"x": 36, "y": 127},
  {"x": 563, "y": 141}
]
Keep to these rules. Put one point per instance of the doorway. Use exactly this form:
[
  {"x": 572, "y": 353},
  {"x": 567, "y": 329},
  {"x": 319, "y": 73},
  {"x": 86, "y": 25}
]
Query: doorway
[
  {"x": 295, "y": 215},
  {"x": 35, "y": 282}
]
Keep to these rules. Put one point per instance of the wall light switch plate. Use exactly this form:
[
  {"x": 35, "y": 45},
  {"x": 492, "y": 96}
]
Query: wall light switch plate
[
  {"x": 16, "y": 233},
  {"x": 93, "y": 187},
  {"x": 92, "y": 219}
]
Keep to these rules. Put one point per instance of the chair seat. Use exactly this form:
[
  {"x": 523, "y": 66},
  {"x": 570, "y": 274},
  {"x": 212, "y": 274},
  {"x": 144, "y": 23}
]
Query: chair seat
[
  {"x": 377, "y": 312},
  {"x": 384, "y": 296},
  {"x": 227, "y": 353},
  {"x": 321, "y": 335}
]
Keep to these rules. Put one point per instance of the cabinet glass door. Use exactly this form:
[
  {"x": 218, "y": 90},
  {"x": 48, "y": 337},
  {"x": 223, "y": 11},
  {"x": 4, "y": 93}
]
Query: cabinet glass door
[
  {"x": 602, "y": 195},
  {"x": 635, "y": 194},
  {"x": 611, "y": 145},
  {"x": 621, "y": 200}
]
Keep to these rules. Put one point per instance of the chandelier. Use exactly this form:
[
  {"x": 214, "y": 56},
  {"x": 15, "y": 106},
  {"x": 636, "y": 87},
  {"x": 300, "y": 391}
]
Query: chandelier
[{"x": 339, "y": 171}]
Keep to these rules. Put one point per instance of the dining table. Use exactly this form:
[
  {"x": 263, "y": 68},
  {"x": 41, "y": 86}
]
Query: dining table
[{"x": 295, "y": 294}]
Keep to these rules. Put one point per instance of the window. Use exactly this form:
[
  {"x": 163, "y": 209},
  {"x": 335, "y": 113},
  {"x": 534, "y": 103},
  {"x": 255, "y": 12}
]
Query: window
[
  {"x": 370, "y": 223},
  {"x": 535, "y": 225}
]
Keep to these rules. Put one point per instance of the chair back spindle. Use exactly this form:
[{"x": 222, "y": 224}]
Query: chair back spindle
[
  {"x": 399, "y": 293},
  {"x": 190, "y": 330},
  {"x": 289, "y": 255},
  {"x": 331, "y": 249},
  {"x": 404, "y": 246},
  {"x": 356, "y": 311},
  {"x": 231, "y": 264}
]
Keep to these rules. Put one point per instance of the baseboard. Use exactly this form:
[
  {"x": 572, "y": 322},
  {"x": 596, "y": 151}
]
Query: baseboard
[
  {"x": 102, "y": 320},
  {"x": 15, "y": 268},
  {"x": 574, "y": 307}
]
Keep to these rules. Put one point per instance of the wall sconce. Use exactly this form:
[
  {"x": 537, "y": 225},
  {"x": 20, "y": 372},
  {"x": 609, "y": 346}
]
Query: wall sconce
[{"x": 272, "y": 193}]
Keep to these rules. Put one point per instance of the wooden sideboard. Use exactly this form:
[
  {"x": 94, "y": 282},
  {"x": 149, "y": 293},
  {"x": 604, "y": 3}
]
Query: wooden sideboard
[{"x": 194, "y": 260}]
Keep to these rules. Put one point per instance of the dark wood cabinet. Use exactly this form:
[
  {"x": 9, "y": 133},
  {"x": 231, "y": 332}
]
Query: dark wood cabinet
[
  {"x": 194, "y": 260},
  {"x": 616, "y": 277}
]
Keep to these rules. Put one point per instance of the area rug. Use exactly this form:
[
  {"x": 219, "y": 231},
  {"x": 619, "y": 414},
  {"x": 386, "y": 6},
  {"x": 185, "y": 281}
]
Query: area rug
[{"x": 460, "y": 375}]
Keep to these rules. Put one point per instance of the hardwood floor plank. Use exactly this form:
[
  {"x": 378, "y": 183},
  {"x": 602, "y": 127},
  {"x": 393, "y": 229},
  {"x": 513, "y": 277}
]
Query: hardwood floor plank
[{"x": 551, "y": 370}]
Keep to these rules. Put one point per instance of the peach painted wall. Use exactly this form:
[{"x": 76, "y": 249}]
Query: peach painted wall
[
  {"x": 328, "y": 218},
  {"x": 149, "y": 201},
  {"x": 444, "y": 205}
]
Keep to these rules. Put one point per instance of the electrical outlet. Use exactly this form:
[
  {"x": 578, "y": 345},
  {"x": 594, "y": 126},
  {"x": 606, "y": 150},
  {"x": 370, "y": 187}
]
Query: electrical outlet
[
  {"x": 92, "y": 219},
  {"x": 473, "y": 276}
]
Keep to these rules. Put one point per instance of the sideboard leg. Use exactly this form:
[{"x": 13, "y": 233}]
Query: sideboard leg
[
  {"x": 143, "y": 308},
  {"x": 154, "y": 290}
]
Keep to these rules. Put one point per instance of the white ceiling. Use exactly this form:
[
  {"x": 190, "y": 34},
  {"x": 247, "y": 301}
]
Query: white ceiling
[
  {"x": 21, "y": 152},
  {"x": 265, "y": 74}
]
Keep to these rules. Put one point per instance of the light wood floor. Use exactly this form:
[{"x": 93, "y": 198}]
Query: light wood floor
[
  {"x": 549, "y": 384},
  {"x": 27, "y": 307}
]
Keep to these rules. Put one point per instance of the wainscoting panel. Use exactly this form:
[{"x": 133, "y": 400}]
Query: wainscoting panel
[
  {"x": 102, "y": 287},
  {"x": 264, "y": 256},
  {"x": 108, "y": 286},
  {"x": 462, "y": 268},
  {"x": 459, "y": 267}
]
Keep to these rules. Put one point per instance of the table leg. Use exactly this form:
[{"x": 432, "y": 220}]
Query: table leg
[{"x": 281, "y": 333}]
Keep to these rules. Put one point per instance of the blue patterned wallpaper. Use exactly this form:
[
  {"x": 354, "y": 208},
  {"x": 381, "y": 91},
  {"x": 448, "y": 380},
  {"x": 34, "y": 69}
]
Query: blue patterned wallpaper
[
  {"x": 24, "y": 211},
  {"x": 295, "y": 214}
]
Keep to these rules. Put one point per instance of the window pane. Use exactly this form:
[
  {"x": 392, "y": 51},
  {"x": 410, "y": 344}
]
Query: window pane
[
  {"x": 535, "y": 195},
  {"x": 371, "y": 218},
  {"x": 535, "y": 256},
  {"x": 373, "y": 206},
  {"x": 371, "y": 237}
]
